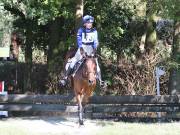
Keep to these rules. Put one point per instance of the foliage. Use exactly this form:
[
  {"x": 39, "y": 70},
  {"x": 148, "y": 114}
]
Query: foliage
[
  {"x": 165, "y": 29},
  {"x": 42, "y": 10},
  {"x": 114, "y": 23},
  {"x": 39, "y": 14},
  {"x": 116, "y": 35},
  {"x": 131, "y": 78},
  {"x": 6, "y": 20},
  {"x": 170, "y": 9},
  {"x": 120, "y": 25}
]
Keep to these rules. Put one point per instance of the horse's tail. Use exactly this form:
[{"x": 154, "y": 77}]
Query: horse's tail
[{"x": 70, "y": 53}]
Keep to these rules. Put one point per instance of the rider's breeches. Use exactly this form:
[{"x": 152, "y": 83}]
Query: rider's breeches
[
  {"x": 98, "y": 68},
  {"x": 87, "y": 49},
  {"x": 71, "y": 62}
]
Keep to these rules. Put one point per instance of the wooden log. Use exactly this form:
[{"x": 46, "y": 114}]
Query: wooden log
[
  {"x": 134, "y": 108},
  {"x": 42, "y": 113},
  {"x": 148, "y": 99},
  {"x": 22, "y": 98},
  {"x": 53, "y": 99},
  {"x": 38, "y": 107},
  {"x": 133, "y": 119}
]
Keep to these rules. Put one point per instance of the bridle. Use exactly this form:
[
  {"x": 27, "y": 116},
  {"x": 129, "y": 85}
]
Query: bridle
[{"x": 86, "y": 73}]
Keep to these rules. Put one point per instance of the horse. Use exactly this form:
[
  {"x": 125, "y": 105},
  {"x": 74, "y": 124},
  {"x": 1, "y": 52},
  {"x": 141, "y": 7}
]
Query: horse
[{"x": 83, "y": 82}]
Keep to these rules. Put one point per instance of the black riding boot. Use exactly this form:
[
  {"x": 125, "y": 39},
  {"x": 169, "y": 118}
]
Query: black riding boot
[{"x": 67, "y": 73}]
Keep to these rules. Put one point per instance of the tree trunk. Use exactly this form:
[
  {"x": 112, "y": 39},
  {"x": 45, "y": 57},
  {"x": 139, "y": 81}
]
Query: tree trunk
[
  {"x": 174, "y": 80},
  {"x": 28, "y": 58},
  {"x": 79, "y": 13},
  {"x": 54, "y": 43},
  {"x": 150, "y": 41}
]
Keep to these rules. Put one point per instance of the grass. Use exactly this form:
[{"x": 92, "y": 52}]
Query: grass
[
  {"x": 140, "y": 129},
  {"x": 56, "y": 126}
]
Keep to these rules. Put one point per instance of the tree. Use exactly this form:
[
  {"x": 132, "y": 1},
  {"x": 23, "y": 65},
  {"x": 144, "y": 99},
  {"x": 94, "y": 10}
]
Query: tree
[
  {"x": 174, "y": 83},
  {"x": 79, "y": 13},
  {"x": 151, "y": 36},
  {"x": 171, "y": 10},
  {"x": 6, "y": 20},
  {"x": 31, "y": 17}
]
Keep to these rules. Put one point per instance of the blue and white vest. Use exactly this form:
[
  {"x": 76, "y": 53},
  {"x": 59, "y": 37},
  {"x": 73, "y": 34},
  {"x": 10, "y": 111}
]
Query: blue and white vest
[{"x": 87, "y": 37}]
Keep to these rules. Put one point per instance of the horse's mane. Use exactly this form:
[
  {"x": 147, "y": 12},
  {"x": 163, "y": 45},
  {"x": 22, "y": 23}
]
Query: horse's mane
[{"x": 87, "y": 58}]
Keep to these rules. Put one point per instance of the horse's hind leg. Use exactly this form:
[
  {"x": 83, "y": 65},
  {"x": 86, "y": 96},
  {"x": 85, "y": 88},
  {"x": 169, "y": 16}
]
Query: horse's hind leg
[{"x": 80, "y": 109}]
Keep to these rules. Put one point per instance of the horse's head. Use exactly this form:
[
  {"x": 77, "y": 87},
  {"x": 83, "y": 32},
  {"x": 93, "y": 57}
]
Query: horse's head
[{"x": 89, "y": 70}]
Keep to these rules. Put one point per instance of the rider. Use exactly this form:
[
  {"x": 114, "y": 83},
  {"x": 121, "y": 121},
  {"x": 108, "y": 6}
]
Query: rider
[{"x": 87, "y": 40}]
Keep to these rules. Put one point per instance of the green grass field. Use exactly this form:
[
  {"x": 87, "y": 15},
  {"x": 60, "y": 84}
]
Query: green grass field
[{"x": 62, "y": 126}]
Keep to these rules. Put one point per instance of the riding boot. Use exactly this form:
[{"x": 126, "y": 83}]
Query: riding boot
[
  {"x": 67, "y": 73},
  {"x": 101, "y": 82}
]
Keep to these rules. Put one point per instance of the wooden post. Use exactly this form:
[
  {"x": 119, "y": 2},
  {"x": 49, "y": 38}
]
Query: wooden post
[
  {"x": 174, "y": 83},
  {"x": 2, "y": 92}
]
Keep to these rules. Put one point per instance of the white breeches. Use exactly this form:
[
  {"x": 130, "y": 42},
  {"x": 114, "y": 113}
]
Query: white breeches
[{"x": 88, "y": 49}]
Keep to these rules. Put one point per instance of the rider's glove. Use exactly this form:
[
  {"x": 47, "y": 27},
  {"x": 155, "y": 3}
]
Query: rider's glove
[{"x": 94, "y": 51}]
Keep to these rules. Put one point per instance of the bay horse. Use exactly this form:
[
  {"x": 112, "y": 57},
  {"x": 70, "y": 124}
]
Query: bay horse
[{"x": 83, "y": 82}]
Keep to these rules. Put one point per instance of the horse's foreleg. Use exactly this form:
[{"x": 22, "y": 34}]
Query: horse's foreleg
[{"x": 80, "y": 109}]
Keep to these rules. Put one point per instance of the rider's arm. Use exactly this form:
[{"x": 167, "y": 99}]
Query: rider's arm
[
  {"x": 79, "y": 38},
  {"x": 96, "y": 42}
]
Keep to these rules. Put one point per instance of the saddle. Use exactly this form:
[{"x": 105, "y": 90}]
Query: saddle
[
  {"x": 71, "y": 53},
  {"x": 77, "y": 66}
]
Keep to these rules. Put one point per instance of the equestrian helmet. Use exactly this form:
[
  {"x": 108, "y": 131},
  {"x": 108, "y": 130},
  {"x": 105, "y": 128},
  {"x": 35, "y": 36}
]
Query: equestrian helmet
[{"x": 88, "y": 19}]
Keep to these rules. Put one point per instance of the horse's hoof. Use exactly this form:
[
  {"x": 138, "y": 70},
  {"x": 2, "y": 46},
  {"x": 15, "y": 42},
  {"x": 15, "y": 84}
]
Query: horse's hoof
[{"x": 81, "y": 122}]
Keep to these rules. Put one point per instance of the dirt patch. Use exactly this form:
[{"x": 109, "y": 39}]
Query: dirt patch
[{"x": 50, "y": 125}]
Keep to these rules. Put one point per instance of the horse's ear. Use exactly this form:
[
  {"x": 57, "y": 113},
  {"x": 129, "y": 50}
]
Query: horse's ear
[
  {"x": 94, "y": 55},
  {"x": 86, "y": 55}
]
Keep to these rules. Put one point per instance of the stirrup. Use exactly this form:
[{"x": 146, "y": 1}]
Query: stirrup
[
  {"x": 103, "y": 84},
  {"x": 63, "y": 82}
]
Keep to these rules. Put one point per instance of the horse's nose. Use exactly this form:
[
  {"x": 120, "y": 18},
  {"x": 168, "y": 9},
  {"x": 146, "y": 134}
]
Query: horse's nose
[{"x": 90, "y": 82}]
